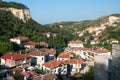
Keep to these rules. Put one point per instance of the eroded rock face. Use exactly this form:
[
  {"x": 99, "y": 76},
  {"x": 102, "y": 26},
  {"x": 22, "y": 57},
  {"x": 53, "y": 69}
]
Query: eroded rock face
[{"x": 23, "y": 14}]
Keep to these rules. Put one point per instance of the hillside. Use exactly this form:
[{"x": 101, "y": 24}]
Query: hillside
[
  {"x": 11, "y": 26},
  {"x": 97, "y": 26}
]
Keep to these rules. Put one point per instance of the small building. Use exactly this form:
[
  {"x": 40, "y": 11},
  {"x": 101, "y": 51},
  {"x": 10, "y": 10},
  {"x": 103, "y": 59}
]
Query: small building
[
  {"x": 15, "y": 60},
  {"x": 55, "y": 67},
  {"x": 76, "y": 43},
  {"x": 30, "y": 45},
  {"x": 99, "y": 51},
  {"x": 112, "y": 41},
  {"x": 94, "y": 42},
  {"x": 52, "y": 53},
  {"x": 76, "y": 65},
  {"x": 19, "y": 40},
  {"x": 39, "y": 57},
  {"x": 64, "y": 56}
]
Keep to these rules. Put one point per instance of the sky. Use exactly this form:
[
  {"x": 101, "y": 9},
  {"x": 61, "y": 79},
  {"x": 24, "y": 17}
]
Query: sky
[{"x": 51, "y": 11}]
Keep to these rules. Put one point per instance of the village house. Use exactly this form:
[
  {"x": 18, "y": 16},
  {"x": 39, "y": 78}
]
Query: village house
[
  {"x": 86, "y": 38},
  {"x": 95, "y": 37},
  {"x": 45, "y": 77},
  {"x": 19, "y": 40},
  {"x": 52, "y": 53},
  {"x": 94, "y": 42},
  {"x": 39, "y": 57},
  {"x": 99, "y": 51},
  {"x": 111, "y": 41},
  {"x": 78, "y": 52},
  {"x": 64, "y": 56},
  {"x": 76, "y": 65},
  {"x": 55, "y": 67},
  {"x": 30, "y": 45},
  {"x": 15, "y": 60},
  {"x": 76, "y": 43}
]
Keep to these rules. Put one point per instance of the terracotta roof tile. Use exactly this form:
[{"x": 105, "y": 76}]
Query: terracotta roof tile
[
  {"x": 65, "y": 55},
  {"x": 99, "y": 50},
  {"x": 15, "y": 56},
  {"x": 52, "y": 64},
  {"x": 38, "y": 53},
  {"x": 22, "y": 38},
  {"x": 76, "y": 61}
]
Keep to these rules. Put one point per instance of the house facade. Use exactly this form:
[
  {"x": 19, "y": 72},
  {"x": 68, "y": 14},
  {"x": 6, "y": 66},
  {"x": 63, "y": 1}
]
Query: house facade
[
  {"x": 76, "y": 43},
  {"x": 15, "y": 60},
  {"x": 76, "y": 65},
  {"x": 39, "y": 57},
  {"x": 55, "y": 67},
  {"x": 19, "y": 40},
  {"x": 64, "y": 56}
]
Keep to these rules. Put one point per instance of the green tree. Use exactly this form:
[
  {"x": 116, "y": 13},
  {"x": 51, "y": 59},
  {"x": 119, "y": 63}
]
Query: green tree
[{"x": 89, "y": 75}]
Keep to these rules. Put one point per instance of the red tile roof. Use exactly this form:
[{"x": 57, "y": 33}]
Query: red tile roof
[
  {"x": 52, "y": 51},
  {"x": 52, "y": 64},
  {"x": 65, "y": 55},
  {"x": 38, "y": 53},
  {"x": 76, "y": 61},
  {"x": 22, "y": 38},
  {"x": 15, "y": 56},
  {"x": 99, "y": 50}
]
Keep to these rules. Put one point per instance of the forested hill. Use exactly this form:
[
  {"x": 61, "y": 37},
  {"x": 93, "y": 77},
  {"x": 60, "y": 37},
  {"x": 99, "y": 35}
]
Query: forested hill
[
  {"x": 11, "y": 26},
  {"x": 4, "y": 4}
]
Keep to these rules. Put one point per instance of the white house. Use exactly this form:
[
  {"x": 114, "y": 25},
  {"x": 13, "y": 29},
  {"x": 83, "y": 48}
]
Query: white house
[
  {"x": 52, "y": 53},
  {"x": 76, "y": 65},
  {"x": 99, "y": 51},
  {"x": 64, "y": 56},
  {"x": 94, "y": 42},
  {"x": 19, "y": 40},
  {"x": 39, "y": 57},
  {"x": 76, "y": 43},
  {"x": 111, "y": 41},
  {"x": 29, "y": 44},
  {"x": 15, "y": 60},
  {"x": 55, "y": 67}
]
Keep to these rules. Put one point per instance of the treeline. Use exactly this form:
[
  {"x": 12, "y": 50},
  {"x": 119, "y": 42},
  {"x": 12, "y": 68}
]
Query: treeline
[{"x": 4, "y": 4}]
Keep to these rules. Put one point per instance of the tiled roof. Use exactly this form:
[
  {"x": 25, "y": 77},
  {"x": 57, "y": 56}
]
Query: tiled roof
[
  {"x": 22, "y": 38},
  {"x": 76, "y": 42},
  {"x": 76, "y": 61},
  {"x": 38, "y": 53},
  {"x": 65, "y": 55},
  {"x": 99, "y": 50},
  {"x": 52, "y": 51},
  {"x": 15, "y": 56},
  {"x": 52, "y": 64}
]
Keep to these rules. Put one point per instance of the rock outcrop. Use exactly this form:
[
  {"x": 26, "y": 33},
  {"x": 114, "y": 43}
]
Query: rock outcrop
[{"x": 22, "y": 14}]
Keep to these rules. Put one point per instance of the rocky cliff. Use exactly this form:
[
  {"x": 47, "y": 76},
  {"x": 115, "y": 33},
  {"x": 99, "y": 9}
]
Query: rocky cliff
[{"x": 22, "y": 14}]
